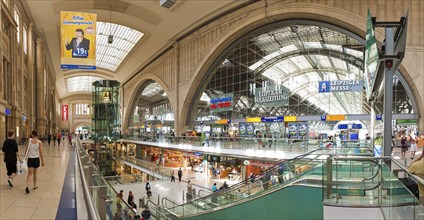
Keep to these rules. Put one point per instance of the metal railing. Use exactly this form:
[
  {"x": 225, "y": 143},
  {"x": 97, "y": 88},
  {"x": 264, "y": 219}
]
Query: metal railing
[
  {"x": 91, "y": 211},
  {"x": 255, "y": 143},
  {"x": 101, "y": 198}
]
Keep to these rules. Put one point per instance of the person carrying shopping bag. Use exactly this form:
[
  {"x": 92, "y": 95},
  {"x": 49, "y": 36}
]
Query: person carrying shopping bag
[{"x": 34, "y": 154}]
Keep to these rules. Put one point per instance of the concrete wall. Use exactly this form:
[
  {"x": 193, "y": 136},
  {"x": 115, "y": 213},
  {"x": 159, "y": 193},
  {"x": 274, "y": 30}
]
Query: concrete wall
[{"x": 181, "y": 69}]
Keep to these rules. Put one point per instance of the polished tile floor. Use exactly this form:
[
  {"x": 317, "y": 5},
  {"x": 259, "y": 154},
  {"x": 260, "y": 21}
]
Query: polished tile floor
[{"x": 43, "y": 202}]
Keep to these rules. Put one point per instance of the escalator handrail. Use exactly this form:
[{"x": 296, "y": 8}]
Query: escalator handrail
[
  {"x": 158, "y": 208},
  {"x": 289, "y": 160},
  {"x": 413, "y": 176},
  {"x": 244, "y": 182},
  {"x": 170, "y": 200}
]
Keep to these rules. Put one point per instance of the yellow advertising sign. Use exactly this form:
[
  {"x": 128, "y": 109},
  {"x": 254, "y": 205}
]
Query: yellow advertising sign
[
  {"x": 290, "y": 118},
  {"x": 78, "y": 40},
  {"x": 336, "y": 117},
  {"x": 222, "y": 121},
  {"x": 252, "y": 120}
]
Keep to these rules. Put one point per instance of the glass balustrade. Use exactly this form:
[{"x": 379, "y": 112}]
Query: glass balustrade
[
  {"x": 102, "y": 194},
  {"x": 250, "y": 143}
]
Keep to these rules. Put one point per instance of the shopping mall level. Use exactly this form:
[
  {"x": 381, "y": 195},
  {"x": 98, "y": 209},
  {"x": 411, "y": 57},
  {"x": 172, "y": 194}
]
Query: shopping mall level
[{"x": 230, "y": 109}]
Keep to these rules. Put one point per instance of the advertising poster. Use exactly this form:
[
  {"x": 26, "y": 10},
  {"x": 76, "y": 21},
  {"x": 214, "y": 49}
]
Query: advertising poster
[
  {"x": 243, "y": 129},
  {"x": 293, "y": 131},
  {"x": 78, "y": 40},
  {"x": 250, "y": 129},
  {"x": 303, "y": 129}
]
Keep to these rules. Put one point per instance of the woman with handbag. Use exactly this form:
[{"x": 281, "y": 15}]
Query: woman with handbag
[{"x": 34, "y": 154}]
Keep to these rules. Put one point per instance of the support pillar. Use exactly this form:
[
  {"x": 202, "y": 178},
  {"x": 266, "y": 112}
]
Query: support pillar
[{"x": 39, "y": 79}]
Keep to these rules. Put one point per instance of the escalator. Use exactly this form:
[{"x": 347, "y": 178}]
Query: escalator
[{"x": 298, "y": 189}]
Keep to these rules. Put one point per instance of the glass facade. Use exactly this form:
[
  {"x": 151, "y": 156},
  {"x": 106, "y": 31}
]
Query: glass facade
[{"x": 290, "y": 70}]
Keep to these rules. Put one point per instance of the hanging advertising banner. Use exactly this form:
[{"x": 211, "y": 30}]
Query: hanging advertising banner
[
  {"x": 371, "y": 57},
  {"x": 78, "y": 40},
  {"x": 303, "y": 129},
  {"x": 340, "y": 86},
  {"x": 293, "y": 131},
  {"x": 64, "y": 112},
  {"x": 272, "y": 96},
  {"x": 221, "y": 103}
]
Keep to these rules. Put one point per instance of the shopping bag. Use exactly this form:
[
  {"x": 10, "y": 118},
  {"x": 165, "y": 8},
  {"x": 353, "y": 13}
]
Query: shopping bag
[{"x": 22, "y": 167}]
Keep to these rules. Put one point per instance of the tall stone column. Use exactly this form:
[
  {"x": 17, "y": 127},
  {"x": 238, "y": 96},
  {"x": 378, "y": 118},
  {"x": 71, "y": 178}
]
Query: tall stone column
[
  {"x": 39, "y": 80},
  {"x": 176, "y": 107}
]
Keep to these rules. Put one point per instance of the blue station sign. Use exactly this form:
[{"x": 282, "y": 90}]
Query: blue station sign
[{"x": 273, "y": 119}]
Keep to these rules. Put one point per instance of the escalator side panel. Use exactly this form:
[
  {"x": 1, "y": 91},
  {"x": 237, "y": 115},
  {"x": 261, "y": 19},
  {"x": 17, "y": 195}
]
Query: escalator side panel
[{"x": 295, "y": 202}]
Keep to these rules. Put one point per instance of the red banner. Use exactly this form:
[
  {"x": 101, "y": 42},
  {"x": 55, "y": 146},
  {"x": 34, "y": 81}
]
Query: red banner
[{"x": 64, "y": 112}]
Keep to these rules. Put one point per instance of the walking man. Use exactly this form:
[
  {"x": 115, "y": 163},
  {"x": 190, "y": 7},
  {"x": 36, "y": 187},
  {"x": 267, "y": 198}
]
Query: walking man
[
  {"x": 172, "y": 176},
  {"x": 180, "y": 174},
  {"x": 10, "y": 149}
]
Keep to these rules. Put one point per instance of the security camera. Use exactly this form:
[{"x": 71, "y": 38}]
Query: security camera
[{"x": 110, "y": 39}]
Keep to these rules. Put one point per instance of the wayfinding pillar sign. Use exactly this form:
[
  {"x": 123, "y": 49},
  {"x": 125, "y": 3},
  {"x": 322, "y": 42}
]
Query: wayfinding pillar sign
[
  {"x": 371, "y": 57},
  {"x": 394, "y": 49}
]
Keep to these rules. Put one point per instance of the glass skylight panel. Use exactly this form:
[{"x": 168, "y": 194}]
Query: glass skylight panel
[
  {"x": 286, "y": 66},
  {"x": 287, "y": 49},
  {"x": 313, "y": 76},
  {"x": 110, "y": 56},
  {"x": 301, "y": 62},
  {"x": 81, "y": 83},
  {"x": 355, "y": 53},
  {"x": 152, "y": 89},
  {"x": 338, "y": 63},
  {"x": 309, "y": 45},
  {"x": 321, "y": 61},
  {"x": 272, "y": 74}
]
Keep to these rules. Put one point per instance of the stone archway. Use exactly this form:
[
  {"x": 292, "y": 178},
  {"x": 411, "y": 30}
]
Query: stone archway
[
  {"x": 134, "y": 92},
  {"x": 271, "y": 13}
]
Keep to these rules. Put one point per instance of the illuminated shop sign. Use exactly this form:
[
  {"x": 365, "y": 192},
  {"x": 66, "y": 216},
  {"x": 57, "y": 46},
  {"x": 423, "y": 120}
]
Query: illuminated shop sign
[
  {"x": 340, "y": 86},
  {"x": 221, "y": 103}
]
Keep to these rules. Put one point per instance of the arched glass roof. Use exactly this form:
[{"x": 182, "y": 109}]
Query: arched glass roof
[
  {"x": 81, "y": 83},
  {"x": 297, "y": 57},
  {"x": 110, "y": 56}
]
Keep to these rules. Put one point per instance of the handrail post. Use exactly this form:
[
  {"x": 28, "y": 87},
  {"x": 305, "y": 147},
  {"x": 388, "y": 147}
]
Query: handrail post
[
  {"x": 329, "y": 181},
  {"x": 380, "y": 186}
]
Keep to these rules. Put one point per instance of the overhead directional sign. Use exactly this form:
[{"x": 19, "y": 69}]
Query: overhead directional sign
[
  {"x": 340, "y": 86},
  {"x": 371, "y": 57}
]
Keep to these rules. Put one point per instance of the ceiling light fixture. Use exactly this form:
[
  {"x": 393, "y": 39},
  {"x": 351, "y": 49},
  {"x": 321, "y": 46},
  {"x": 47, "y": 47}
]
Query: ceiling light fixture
[{"x": 110, "y": 37}]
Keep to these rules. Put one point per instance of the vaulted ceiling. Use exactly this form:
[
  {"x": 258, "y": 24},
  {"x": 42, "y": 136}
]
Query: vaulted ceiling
[{"x": 160, "y": 27}]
